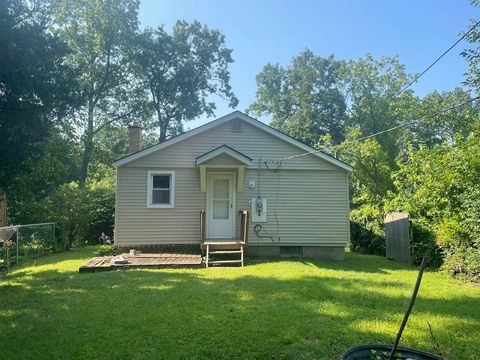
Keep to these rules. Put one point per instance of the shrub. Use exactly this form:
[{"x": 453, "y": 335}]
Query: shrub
[
  {"x": 82, "y": 214},
  {"x": 365, "y": 241},
  {"x": 423, "y": 242},
  {"x": 439, "y": 187},
  {"x": 105, "y": 250},
  {"x": 367, "y": 230},
  {"x": 460, "y": 248}
]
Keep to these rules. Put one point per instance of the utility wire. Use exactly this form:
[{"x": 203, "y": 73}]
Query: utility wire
[
  {"x": 402, "y": 90},
  {"x": 406, "y": 123}
]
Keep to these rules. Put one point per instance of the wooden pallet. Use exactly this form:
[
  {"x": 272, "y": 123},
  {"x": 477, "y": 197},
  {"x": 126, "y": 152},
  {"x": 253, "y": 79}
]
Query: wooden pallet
[{"x": 104, "y": 263}]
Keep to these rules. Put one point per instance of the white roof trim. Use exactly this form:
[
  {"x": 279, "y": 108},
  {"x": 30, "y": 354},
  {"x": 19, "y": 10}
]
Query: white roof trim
[
  {"x": 222, "y": 120},
  {"x": 223, "y": 149}
]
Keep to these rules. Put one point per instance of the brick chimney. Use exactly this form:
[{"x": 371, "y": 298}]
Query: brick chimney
[{"x": 134, "y": 138}]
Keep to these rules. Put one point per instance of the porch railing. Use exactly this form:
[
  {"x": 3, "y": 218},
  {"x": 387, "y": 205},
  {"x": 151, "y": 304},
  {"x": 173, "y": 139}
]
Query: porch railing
[
  {"x": 243, "y": 226},
  {"x": 202, "y": 226}
]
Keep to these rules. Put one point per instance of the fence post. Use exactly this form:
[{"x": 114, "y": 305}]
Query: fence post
[
  {"x": 3, "y": 208},
  {"x": 53, "y": 237},
  {"x": 18, "y": 241}
]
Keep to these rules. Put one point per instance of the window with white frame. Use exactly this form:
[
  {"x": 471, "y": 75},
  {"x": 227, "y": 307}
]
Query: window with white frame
[{"x": 160, "y": 189}]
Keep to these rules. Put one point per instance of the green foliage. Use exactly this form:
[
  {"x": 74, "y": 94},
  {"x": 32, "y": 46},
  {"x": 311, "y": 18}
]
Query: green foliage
[
  {"x": 439, "y": 187},
  {"x": 303, "y": 100},
  {"x": 36, "y": 87},
  {"x": 106, "y": 250},
  {"x": 424, "y": 243},
  {"x": 365, "y": 241},
  {"x": 367, "y": 234},
  {"x": 181, "y": 70},
  {"x": 82, "y": 213},
  {"x": 99, "y": 35},
  {"x": 472, "y": 55},
  {"x": 34, "y": 249}
]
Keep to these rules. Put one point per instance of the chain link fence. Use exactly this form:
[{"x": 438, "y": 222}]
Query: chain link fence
[{"x": 19, "y": 242}]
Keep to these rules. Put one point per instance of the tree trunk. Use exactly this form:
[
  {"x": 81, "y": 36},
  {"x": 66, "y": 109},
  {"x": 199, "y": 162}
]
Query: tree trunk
[
  {"x": 88, "y": 147},
  {"x": 163, "y": 134},
  {"x": 163, "y": 125},
  {"x": 3, "y": 208}
]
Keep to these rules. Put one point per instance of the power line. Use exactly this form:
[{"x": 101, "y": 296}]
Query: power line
[
  {"x": 436, "y": 61},
  {"x": 400, "y": 92},
  {"x": 418, "y": 119},
  {"x": 404, "y": 124}
]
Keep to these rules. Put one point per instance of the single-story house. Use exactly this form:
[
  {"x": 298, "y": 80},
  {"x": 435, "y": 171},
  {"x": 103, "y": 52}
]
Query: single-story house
[{"x": 296, "y": 197}]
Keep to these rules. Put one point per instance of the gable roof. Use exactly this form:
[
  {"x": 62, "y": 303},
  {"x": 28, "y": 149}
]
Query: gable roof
[
  {"x": 234, "y": 115},
  {"x": 223, "y": 149}
]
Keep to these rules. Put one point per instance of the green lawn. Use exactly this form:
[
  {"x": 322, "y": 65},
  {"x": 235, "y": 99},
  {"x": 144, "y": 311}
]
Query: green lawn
[{"x": 271, "y": 310}]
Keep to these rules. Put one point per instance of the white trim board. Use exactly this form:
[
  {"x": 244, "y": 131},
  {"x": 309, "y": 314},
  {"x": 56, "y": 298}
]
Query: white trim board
[
  {"x": 222, "y": 120},
  {"x": 223, "y": 149},
  {"x": 231, "y": 206},
  {"x": 150, "y": 174}
]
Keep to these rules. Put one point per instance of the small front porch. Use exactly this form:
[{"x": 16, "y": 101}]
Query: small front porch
[
  {"x": 221, "y": 178},
  {"x": 224, "y": 251}
]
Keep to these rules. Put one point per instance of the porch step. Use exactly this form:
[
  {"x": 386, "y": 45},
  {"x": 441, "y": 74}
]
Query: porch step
[
  {"x": 209, "y": 261},
  {"x": 224, "y": 261},
  {"x": 226, "y": 252}
]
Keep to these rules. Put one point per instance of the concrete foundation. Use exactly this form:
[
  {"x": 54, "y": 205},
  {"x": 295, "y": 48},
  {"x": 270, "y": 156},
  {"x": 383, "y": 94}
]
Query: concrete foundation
[{"x": 336, "y": 253}]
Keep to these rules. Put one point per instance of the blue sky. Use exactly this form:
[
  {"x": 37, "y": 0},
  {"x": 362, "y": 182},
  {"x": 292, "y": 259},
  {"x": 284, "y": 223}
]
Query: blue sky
[{"x": 264, "y": 31}]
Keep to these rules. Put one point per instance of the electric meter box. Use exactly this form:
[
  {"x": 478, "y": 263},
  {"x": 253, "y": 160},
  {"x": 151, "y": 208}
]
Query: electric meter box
[{"x": 259, "y": 209}]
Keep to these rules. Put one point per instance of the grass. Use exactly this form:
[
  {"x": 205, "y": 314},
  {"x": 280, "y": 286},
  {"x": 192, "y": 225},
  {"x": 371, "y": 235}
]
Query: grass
[{"x": 270, "y": 310}]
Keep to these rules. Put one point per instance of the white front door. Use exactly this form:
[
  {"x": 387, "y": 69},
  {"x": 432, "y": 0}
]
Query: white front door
[{"x": 220, "y": 206}]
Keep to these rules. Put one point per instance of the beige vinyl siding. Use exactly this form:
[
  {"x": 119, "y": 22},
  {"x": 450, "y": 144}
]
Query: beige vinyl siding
[
  {"x": 137, "y": 224},
  {"x": 250, "y": 141},
  {"x": 309, "y": 194},
  {"x": 311, "y": 206}
]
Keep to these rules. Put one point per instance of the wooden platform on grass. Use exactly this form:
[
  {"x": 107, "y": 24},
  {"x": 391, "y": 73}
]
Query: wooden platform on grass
[{"x": 103, "y": 263}]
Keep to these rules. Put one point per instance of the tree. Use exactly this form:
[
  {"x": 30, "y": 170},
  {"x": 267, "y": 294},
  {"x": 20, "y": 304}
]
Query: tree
[
  {"x": 438, "y": 186},
  {"x": 36, "y": 86},
  {"x": 99, "y": 34},
  {"x": 181, "y": 70},
  {"x": 303, "y": 99},
  {"x": 472, "y": 55},
  {"x": 371, "y": 86},
  {"x": 444, "y": 126}
]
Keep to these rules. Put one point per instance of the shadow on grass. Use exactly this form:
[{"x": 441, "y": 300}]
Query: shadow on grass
[
  {"x": 209, "y": 313},
  {"x": 361, "y": 263}
]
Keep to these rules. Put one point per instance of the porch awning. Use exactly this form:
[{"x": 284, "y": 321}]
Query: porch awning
[{"x": 222, "y": 157}]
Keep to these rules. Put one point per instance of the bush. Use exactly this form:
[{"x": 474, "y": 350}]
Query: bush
[
  {"x": 423, "y": 242},
  {"x": 106, "y": 250},
  {"x": 82, "y": 214},
  {"x": 367, "y": 231},
  {"x": 366, "y": 241},
  {"x": 460, "y": 248},
  {"x": 101, "y": 213},
  {"x": 439, "y": 187}
]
